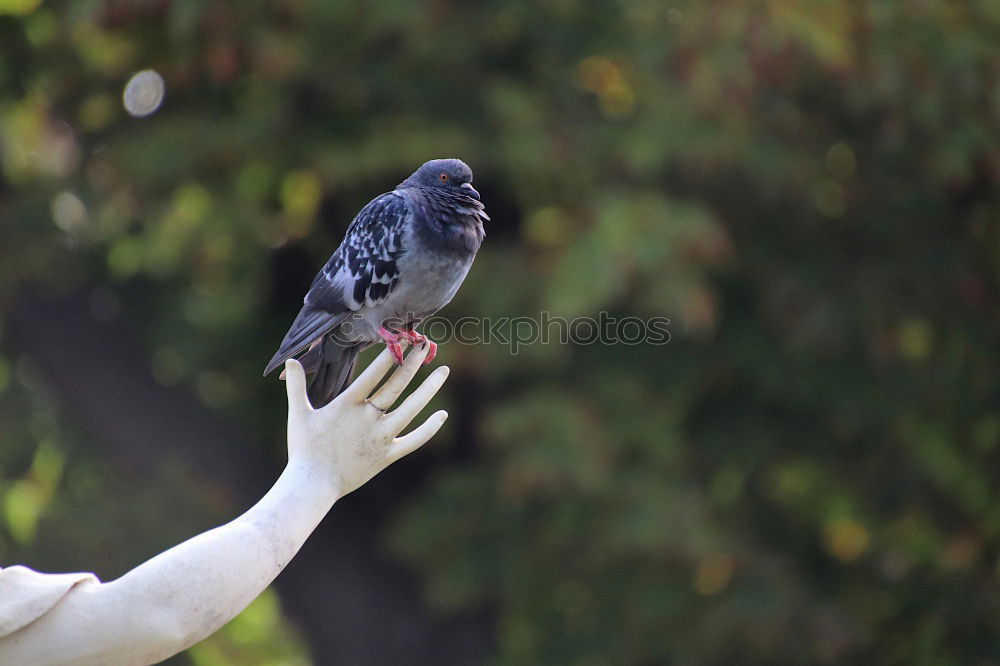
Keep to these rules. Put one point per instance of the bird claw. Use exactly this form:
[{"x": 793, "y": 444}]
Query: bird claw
[
  {"x": 392, "y": 343},
  {"x": 432, "y": 353},
  {"x": 420, "y": 339},
  {"x": 392, "y": 339},
  {"x": 414, "y": 337}
]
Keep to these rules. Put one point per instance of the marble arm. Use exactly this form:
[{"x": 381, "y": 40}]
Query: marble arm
[{"x": 189, "y": 591}]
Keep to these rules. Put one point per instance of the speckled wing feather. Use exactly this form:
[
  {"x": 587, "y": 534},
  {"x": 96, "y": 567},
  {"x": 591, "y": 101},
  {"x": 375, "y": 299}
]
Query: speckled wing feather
[{"x": 361, "y": 273}]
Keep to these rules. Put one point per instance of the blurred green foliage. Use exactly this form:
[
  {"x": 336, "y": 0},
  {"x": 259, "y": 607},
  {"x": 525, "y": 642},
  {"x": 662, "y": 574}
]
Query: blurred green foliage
[{"x": 807, "y": 188}]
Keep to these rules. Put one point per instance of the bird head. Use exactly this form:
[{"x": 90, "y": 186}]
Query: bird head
[{"x": 452, "y": 175}]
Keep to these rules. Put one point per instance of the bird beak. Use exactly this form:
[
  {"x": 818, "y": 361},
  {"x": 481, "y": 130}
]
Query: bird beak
[{"x": 470, "y": 190}]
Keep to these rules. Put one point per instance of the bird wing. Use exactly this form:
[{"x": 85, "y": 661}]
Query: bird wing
[
  {"x": 364, "y": 270},
  {"x": 361, "y": 273}
]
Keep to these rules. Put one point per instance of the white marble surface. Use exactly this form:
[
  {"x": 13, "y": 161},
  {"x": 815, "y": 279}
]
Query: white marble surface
[{"x": 186, "y": 593}]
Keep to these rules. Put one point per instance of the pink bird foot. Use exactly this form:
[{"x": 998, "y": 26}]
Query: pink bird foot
[
  {"x": 419, "y": 339},
  {"x": 392, "y": 343}
]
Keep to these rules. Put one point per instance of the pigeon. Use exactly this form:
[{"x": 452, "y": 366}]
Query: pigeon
[{"x": 403, "y": 259}]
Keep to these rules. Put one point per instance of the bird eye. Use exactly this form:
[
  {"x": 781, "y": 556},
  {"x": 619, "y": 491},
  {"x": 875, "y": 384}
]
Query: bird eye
[{"x": 443, "y": 177}]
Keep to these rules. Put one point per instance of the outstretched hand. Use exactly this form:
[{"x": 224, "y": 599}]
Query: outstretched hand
[
  {"x": 356, "y": 436},
  {"x": 182, "y": 595}
]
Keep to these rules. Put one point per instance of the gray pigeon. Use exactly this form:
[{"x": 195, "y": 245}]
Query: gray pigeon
[{"x": 404, "y": 257}]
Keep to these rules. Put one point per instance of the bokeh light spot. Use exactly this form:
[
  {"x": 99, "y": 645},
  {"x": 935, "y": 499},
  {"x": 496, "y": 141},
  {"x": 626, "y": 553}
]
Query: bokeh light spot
[
  {"x": 714, "y": 573},
  {"x": 961, "y": 552},
  {"x": 216, "y": 389},
  {"x": 602, "y": 76},
  {"x": 301, "y": 193},
  {"x": 845, "y": 539},
  {"x": 125, "y": 257},
  {"x": 829, "y": 198},
  {"x": 547, "y": 227},
  {"x": 68, "y": 212},
  {"x": 41, "y": 28},
  {"x": 915, "y": 339},
  {"x": 18, "y": 7},
  {"x": 144, "y": 93}
]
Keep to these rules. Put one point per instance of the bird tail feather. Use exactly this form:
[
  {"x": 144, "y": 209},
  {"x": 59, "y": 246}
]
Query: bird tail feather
[
  {"x": 334, "y": 367},
  {"x": 309, "y": 326}
]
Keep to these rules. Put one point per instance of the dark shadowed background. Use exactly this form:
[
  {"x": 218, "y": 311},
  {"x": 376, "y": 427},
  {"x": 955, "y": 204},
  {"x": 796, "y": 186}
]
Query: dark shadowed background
[{"x": 806, "y": 473}]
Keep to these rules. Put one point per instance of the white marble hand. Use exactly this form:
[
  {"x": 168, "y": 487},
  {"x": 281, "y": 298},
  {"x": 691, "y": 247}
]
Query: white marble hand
[
  {"x": 188, "y": 592},
  {"x": 354, "y": 437}
]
